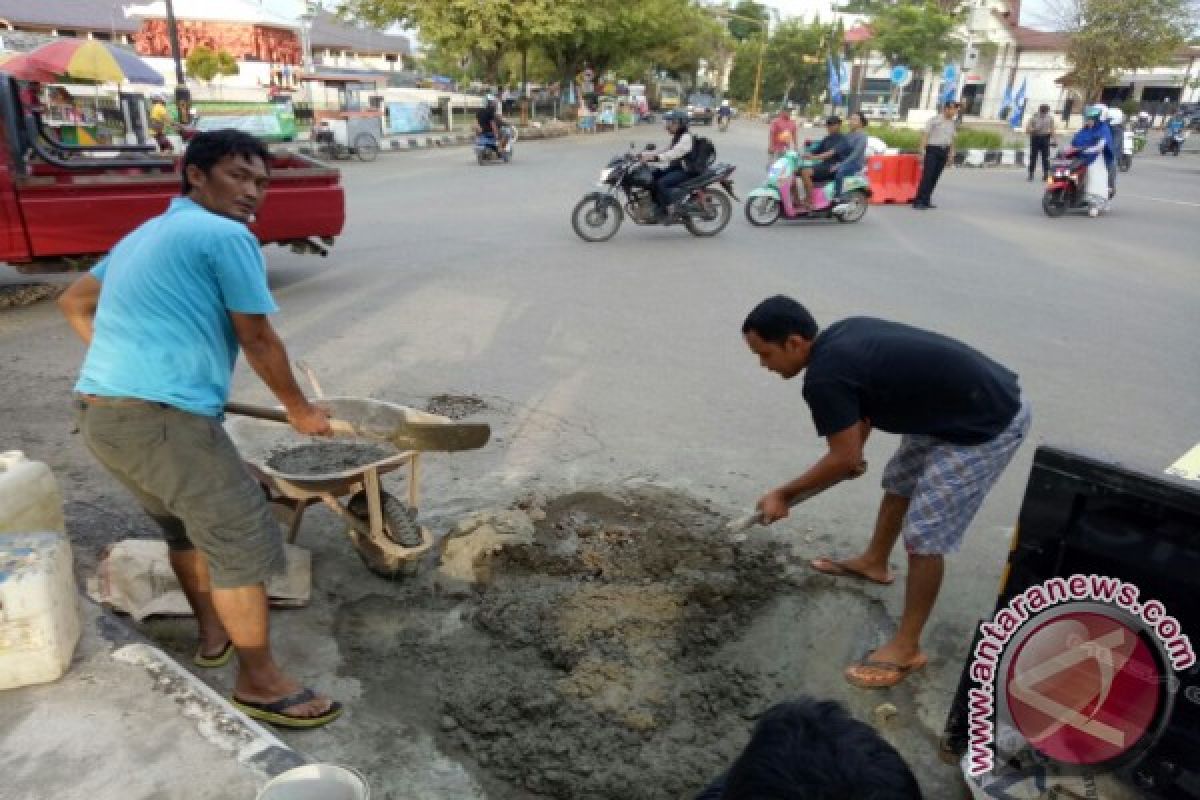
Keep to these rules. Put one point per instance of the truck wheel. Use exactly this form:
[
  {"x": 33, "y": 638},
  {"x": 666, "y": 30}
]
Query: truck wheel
[{"x": 366, "y": 146}]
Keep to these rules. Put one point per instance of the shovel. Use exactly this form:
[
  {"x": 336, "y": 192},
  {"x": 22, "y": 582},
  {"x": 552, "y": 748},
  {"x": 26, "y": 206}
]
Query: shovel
[
  {"x": 742, "y": 524},
  {"x": 443, "y": 437}
]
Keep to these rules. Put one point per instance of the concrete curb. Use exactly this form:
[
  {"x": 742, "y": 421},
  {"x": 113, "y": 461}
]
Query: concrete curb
[{"x": 432, "y": 141}]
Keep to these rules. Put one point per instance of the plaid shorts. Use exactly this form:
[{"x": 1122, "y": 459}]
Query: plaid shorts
[{"x": 946, "y": 483}]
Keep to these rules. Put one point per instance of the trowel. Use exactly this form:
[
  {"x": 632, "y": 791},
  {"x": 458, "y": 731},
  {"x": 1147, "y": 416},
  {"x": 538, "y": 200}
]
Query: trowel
[
  {"x": 742, "y": 524},
  {"x": 403, "y": 433}
]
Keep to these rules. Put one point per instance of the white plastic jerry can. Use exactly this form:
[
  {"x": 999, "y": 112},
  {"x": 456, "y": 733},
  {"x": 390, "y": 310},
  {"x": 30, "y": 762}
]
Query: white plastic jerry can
[
  {"x": 39, "y": 618},
  {"x": 29, "y": 496}
]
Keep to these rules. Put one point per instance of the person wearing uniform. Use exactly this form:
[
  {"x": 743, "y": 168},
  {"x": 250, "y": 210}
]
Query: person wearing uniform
[
  {"x": 937, "y": 142},
  {"x": 1041, "y": 131},
  {"x": 960, "y": 416}
]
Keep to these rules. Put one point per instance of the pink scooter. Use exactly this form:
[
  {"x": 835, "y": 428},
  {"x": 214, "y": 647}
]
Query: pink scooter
[{"x": 773, "y": 200}]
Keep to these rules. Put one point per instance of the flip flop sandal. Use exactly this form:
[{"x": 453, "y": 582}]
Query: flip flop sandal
[
  {"x": 872, "y": 674},
  {"x": 213, "y": 662},
  {"x": 840, "y": 570},
  {"x": 274, "y": 712}
]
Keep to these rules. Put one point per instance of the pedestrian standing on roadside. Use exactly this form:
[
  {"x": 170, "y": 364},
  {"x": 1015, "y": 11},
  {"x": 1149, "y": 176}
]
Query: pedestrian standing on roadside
[
  {"x": 777, "y": 144},
  {"x": 961, "y": 418},
  {"x": 1067, "y": 107},
  {"x": 937, "y": 143},
  {"x": 163, "y": 316},
  {"x": 1041, "y": 131}
]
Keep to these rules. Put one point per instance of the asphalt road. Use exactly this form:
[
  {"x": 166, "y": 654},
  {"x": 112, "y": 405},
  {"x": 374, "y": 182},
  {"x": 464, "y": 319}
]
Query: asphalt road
[{"x": 622, "y": 362}]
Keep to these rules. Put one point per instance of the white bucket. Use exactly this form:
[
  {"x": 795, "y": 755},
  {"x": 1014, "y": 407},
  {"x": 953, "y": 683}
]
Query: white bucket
[{"x": 317, "y": 782}]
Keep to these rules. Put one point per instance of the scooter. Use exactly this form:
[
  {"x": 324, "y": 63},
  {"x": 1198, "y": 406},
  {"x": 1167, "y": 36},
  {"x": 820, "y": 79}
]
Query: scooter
[
  {"x": 487, "y": 149},
  {"x": 773, "y": 200},
  {"x": 1125, "y": 159},
  {"x": 1172, "y": 143},
  {"x": 1065, "y": 186}
]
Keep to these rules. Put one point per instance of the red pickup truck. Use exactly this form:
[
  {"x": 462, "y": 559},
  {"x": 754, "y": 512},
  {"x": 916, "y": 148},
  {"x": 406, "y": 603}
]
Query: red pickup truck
[{"x": 63, "y": 206}]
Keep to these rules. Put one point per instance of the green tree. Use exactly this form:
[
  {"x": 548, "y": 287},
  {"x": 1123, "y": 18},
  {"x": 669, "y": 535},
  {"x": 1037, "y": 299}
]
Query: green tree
[
  {"x": 484, "y": 31},
  {"x": 793, "y": 64},
  {"x": 742, "y": 25},
  {"x": 1108, "y": 36},
  {"x": 205, "y": 64},
  {"x": 916, "y": 33}
]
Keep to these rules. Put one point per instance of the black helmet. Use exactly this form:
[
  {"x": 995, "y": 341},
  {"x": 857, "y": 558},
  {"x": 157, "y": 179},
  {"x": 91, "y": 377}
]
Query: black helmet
[{"x": 676, "y": 116}]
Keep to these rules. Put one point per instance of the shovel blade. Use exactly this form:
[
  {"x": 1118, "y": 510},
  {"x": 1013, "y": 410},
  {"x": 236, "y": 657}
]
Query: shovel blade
[{"x": 440, "y": 437}]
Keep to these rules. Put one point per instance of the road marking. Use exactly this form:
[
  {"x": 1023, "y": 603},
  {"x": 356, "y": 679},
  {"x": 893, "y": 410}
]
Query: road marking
[
  {"x": 1188, "y": 465},
  {"x": 1163, "y": 200}
]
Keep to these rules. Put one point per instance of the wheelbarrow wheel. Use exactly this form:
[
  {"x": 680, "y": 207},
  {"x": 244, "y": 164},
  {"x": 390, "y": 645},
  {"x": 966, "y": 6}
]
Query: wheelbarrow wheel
[{"x": 399, "y": 522}]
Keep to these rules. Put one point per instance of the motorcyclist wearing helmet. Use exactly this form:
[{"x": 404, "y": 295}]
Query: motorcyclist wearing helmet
[
  {"x": 669, "y": 162},
  {"x": 1115, "y": 119},
  {"x": 725, "y": 111},
  {"x": 488, "y": 121},
  {"x": 1091, "y": 141}
]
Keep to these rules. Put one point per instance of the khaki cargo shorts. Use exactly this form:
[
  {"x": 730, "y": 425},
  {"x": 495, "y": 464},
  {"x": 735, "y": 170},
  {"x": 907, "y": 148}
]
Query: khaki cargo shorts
[{"x": 188, "y": 476}]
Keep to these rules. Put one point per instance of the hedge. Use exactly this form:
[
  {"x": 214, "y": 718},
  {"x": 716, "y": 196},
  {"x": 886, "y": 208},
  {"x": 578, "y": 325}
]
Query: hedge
[{"x": 910, "y": 140}]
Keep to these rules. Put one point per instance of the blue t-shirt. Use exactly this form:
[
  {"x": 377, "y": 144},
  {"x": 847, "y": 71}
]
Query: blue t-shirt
[{"x": 162, "y": 327}]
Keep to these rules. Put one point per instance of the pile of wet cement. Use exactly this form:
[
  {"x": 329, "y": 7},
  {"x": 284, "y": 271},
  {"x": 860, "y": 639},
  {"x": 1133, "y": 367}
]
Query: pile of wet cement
[
  {"x": 322, "y": 458},
  {"x": 589, "y": 667}
]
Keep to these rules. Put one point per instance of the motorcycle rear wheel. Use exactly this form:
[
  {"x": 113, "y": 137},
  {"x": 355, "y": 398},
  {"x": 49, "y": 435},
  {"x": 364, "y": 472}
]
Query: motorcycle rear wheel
[
  {"x": 1054, "y": 203},
  {"x": 762, "y": 211},
  {"x": 593, "y": 217},
  {"x": 1125, "y": 163},
  {"x": 714, "y": 216}
]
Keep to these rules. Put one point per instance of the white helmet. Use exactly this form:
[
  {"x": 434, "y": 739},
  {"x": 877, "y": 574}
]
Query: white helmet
[{"x": 1116, "y": 116}]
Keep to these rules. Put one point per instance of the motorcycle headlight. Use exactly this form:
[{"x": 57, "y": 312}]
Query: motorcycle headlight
[{"x": 605, "y": 174}]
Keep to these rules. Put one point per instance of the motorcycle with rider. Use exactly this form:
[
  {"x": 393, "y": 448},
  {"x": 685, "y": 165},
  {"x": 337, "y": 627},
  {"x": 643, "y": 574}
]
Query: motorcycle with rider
[{"x": 681, "y": 184}]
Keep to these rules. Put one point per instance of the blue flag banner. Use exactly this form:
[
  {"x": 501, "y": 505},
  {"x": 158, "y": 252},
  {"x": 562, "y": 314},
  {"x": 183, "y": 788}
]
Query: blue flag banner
[
  {"x": 949, "y": 83},
  {"x": 835, "y": 83},
  {"x": 1019, "y": 106},
  {"x": 844, "y": 76},
  {"x": 1006, "y": 104}
]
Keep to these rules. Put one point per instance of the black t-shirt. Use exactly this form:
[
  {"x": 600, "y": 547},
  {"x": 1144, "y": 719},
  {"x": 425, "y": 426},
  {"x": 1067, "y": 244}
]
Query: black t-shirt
[
  {"x": 832, "y": 142},
  {"x": 906, "y": 380},
  {"x": 485, "y": 117}
]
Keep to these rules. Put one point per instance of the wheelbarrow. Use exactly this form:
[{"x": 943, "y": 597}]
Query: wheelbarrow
[{"x": 382, "y": 528}]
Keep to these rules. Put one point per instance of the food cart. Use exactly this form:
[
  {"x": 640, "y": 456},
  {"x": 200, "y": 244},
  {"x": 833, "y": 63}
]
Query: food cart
[{"x": 347, "y": 113}]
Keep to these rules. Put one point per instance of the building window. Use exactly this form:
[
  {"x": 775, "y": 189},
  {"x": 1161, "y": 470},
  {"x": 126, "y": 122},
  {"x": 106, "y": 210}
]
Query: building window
[
  {"x": 391, "y": 58},
  {"x": 70, "y": 34},
  {"x": 103, "y": 36}
]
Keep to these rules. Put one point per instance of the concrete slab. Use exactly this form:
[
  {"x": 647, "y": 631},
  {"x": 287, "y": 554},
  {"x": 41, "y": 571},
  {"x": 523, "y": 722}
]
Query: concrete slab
[{"x": 125, "y": 723}]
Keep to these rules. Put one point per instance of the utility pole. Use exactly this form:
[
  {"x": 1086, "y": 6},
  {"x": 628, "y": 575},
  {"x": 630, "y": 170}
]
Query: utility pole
[{"x": 183, "y": 97}]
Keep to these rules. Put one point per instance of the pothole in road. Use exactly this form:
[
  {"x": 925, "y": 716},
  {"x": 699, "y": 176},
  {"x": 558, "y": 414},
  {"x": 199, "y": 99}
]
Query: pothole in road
[
  {"x": 455, "y": 406},
  {"x": 607, "y": 656}
]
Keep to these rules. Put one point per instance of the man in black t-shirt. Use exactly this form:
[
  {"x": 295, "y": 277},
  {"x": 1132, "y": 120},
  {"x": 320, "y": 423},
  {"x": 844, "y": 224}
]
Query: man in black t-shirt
[
  {"x": 827, "y": 152},
  {"x": 961, "y": 418}
]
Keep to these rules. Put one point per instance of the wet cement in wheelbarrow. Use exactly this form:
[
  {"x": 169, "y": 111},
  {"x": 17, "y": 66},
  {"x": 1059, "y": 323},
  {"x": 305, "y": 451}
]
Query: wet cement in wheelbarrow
[
  {"x": 321, "y": 458},
  {"x": 591, "y": 664}
]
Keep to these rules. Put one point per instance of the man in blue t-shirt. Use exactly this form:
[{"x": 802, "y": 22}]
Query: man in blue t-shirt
[
  {"x": 961, "y": 418},
  {"x": 164, "y": 316}
]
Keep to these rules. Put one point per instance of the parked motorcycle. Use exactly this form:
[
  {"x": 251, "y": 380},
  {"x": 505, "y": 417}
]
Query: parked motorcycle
[
  {"x": 625, "y": 188},
  {"x": 1172, "y": 143},
  {"x": 488, "y": 151},
  {"x": 1125, "y": 159},
  {"x": 773, "y": 200},
  {"x": 1065, "y": 186}
]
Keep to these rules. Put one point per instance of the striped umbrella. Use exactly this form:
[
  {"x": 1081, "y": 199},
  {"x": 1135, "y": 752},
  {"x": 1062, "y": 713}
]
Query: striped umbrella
[{"x": 91, "y": 60}]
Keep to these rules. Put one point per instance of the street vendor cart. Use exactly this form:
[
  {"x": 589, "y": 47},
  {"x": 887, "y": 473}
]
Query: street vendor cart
[{"x": 347, "y": 113}]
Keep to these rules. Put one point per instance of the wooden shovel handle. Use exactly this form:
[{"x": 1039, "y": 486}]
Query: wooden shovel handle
[{"x": 340, "y": 427}]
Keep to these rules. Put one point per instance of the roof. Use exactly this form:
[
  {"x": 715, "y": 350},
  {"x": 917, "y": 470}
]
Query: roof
[
  {"x": 88, "y": 15},
  {"x": 859, "y": 33},
  {"x": 1030, "y": 39},
  {"x": 330, "y": 31},
  {"x": 243, "y": 11}
]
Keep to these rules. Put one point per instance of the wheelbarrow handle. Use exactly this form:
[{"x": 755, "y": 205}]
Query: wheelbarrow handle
[{"x": 339, "y": 427}]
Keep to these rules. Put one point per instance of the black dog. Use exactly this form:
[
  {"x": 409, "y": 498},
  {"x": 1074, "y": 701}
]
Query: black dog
[{"x": 814, "y": 750}]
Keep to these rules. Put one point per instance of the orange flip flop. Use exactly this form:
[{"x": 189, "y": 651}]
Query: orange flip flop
[{"x": 872, "y": 674}]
